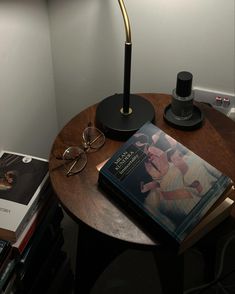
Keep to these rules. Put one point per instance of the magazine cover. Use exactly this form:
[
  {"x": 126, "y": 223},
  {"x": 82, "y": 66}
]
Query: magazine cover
[
  {"x": 21, "y": 179},
  {"x": 170, "y": 183}
]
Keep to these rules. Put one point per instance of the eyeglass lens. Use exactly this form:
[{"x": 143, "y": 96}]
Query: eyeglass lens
[
  {"x": 75, "y": 160},
  {"x": 93, "y": 138}
]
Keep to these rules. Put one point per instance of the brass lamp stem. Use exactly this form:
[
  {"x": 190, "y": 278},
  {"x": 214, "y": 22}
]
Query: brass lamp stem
[{"x": 126, "y": 21}]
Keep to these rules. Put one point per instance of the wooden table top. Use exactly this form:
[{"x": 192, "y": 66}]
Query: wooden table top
[{"x": 79, "y": 194}]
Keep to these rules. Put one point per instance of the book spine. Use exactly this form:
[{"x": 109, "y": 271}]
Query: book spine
[
  {"x": 5, "y": 261},
  {"x": 10, "y": 287},
  {"x": 46, "y": 231},
  {"x": 32, "y": 209},
  {"x": 7, "y": 272},
  {"x": 32, "y": 226},
  {"x": 4, "y": 247}
]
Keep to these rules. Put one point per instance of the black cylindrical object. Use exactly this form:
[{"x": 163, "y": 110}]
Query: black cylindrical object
[
  {"x": 184, "y": 84},
  {"x": 182, "y": 96},
  {"x": 127, "y": 78}
]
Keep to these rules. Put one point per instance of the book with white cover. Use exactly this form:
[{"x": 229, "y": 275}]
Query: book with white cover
[{"x": 22, "y": 180}]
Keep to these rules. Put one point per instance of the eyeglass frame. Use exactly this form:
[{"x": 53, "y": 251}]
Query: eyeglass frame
[{"x": 86, "y": 148}]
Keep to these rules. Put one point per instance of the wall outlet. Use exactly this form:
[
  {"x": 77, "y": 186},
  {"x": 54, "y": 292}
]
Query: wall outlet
[{"x": 223, "y": 102}]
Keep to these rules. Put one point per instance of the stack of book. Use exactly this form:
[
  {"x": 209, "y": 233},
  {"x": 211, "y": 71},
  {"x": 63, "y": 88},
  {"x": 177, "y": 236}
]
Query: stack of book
[
  {"x": 30, "y": 227},
  {"x": 174, "y": 194}
]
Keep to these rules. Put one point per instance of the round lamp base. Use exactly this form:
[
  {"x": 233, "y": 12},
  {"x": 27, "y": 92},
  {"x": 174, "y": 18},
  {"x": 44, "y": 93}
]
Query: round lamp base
[{"x": 117, "y": 125}]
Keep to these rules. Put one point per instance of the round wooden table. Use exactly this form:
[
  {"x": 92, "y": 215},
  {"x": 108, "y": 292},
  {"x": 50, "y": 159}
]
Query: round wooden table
[{"x": 80, "y": 194}]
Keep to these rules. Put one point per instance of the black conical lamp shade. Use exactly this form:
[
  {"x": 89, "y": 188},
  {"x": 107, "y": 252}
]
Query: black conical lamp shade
[{"x": 121, "y": 115}]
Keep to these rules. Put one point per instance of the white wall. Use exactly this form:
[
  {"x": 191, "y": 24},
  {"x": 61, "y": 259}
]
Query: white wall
[
  {"x": 28, "y": 120},
  {"x": 168, "y": 36}
]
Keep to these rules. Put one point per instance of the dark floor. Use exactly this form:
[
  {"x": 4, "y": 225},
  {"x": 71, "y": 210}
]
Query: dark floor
[{"x": 136, "y": 272}]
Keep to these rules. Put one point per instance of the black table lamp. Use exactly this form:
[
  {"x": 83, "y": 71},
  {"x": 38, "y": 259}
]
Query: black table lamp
[{"x": 121, "y": 115}]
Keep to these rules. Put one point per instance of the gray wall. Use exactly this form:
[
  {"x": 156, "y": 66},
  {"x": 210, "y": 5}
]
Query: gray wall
[
  {"x": 28, "y": 121},
  {"x": 86, "y": 60},
  {"x": 168, "y": 36}
]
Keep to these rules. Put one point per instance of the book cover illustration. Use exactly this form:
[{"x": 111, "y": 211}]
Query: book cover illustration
[
  {"x": 21, "y": 180},
  {"x": 170, "y": 183}
]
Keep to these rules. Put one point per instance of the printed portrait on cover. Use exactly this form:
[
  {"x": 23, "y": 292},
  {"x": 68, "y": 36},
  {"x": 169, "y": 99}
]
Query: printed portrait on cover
[
  {"x": 20, "y": 177},
  {"x": 178, "y": 178}
]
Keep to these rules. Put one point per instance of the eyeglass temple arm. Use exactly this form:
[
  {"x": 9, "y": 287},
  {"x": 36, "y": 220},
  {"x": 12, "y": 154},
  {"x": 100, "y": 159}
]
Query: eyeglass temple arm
[
  {"x": 93, "y": 141},
  {"x": 72, "y": 166}
]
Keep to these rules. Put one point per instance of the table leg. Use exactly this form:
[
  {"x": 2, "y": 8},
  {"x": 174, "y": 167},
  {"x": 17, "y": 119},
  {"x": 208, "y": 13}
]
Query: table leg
[
  {"x": 95, "y": 251},
  {"x": 210, "y": 244},
  {"x": 171, "y": 271}
]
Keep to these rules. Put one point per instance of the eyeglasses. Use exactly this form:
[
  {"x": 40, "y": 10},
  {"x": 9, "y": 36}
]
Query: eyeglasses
[{"x": 75, "y": 158}]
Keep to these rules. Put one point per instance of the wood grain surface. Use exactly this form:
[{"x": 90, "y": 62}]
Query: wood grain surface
[{"x": 80, "y": 195}]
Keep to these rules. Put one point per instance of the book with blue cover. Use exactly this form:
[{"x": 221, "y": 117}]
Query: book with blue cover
[{"x": 168, "y": 187}]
